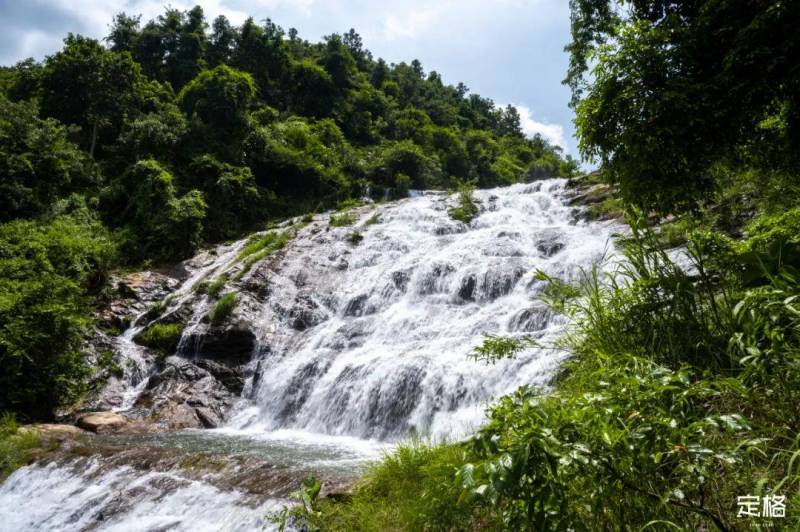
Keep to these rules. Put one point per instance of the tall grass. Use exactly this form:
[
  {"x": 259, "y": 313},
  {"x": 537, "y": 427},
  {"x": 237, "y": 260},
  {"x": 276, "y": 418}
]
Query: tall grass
[{"x": 15, "y": 445}]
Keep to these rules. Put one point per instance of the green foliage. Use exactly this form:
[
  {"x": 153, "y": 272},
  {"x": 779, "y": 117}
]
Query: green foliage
[
  {"x": 14, "y": 445},
  {"x": 372, "y": 220},
  {"x": 161, "y": 224},
  {"x": 406, "y": 158},
  {"x": 162, "y": 337},
  {"x": 666, "y": 93},
  {"x": 219, "y": 97},
  {"x": 48, "y": 269},
  {"x": 223, "y": 309},
  {"x": 107, "y": 362},
  {"x": 259, "y": 243},
  {"x": 86, "y": 85},
  {"x": 237, "y": 201},
  {"x": 402, "y": 184},
  {"x": 38, "y": 164},
  {"x": 466, "y": 209}
]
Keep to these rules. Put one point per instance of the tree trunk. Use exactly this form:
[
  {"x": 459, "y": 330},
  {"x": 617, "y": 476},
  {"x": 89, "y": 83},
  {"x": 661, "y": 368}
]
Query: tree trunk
[{"x": 94, "y": 140}]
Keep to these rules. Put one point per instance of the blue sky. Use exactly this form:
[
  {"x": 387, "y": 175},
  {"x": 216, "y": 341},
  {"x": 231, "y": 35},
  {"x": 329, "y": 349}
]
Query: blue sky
[{"x": 507, "y": 50}]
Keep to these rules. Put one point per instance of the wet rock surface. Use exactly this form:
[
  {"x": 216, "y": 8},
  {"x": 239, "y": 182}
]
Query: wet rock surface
[
  {"x": 183, "y": 394},
  {"x": 101, "y": 422}
]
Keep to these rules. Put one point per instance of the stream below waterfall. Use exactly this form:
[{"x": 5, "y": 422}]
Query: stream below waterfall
[{"x": 359, "y": 345}]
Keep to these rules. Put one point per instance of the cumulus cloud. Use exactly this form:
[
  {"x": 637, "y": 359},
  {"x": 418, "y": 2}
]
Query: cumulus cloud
[{"x": 553, "y": 133}]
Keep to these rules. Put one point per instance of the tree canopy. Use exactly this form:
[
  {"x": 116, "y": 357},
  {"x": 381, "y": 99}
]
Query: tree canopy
[{"x": 669, "y": 94}]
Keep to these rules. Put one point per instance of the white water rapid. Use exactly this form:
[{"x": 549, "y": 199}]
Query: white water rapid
[{"x": 371, "y": 340}]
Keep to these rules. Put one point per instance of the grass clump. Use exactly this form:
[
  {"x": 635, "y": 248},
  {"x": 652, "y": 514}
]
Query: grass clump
[
  {"x": 224, "y": 308},
  {"x": 215, "y": 287},
  {"x": 372, "y": 220},
  {"x": 107, "y": 362},
  {"x": 343, "y": 220},
  {"x": 261, "y": 247},
  {"x": 466, "y": 209},
  {"x": 162, "y": 337},
  {"x": 15, "y": 445},
  {"x": 349, "y": 203}
]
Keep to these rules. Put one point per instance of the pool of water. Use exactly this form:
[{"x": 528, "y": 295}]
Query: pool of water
[{"x": 292, "y": 449}]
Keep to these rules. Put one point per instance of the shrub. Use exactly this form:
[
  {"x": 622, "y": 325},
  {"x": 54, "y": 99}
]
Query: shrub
[
  {"x": 223, "y": 309},
  {"x": 402, "y": 184},
  {"x": 49, "y": 271}
]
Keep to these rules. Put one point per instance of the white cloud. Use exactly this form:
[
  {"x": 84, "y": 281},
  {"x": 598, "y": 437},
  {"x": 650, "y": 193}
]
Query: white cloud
[
  {"x": 553, "y": 133},
  {"x": 410, "y": 24}
]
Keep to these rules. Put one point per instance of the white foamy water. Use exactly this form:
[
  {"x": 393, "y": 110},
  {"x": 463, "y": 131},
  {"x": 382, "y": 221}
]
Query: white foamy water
[
  {"x": 371, "y": 340},
  {"x": 65, "y": 499}
]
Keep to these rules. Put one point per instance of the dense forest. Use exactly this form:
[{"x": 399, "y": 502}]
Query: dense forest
[{"x": 172, "y": 134}]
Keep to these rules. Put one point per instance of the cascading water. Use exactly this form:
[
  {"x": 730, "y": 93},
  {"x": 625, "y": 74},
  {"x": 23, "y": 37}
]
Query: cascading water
[
  {"x": 363, "y": 334},
  {"x": 370, "y": 339}
]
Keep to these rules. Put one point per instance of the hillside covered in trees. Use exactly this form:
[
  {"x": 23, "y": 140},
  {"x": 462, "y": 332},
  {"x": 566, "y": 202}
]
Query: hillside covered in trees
[{"x": 173, "y": 133}]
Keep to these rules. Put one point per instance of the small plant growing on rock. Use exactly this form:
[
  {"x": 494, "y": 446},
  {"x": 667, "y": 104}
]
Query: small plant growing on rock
[
  {"x": 466, "y": 209},
  {"x": 355, "y": 238},
  {"x": 106, "y": 361},
  {"x": 224, "y": 308}
]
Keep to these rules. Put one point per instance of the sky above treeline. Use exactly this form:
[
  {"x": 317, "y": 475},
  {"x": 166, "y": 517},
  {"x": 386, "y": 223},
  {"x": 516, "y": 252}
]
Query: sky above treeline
[{"x": 511, "y": 51}]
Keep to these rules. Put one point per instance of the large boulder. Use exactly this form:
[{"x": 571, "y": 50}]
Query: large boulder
[
  {"x": 102, "y": 422},
  {"x": 185, "y": 394}
]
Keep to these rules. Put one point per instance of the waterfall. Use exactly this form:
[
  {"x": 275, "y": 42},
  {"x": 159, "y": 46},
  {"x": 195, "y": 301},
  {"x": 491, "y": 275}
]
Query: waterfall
[
  {"x": 371, "y": 339},
  {"x": 360, "y": 342}
]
